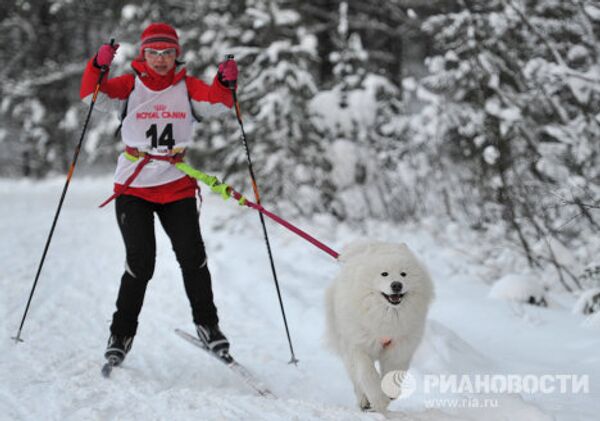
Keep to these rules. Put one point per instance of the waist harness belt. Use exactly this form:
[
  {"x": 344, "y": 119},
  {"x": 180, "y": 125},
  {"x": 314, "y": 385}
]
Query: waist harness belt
[{"x": 175, "y": 158}]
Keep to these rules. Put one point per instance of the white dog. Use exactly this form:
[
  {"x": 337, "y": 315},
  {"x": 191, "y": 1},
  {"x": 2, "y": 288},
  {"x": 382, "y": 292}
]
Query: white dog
[{"x": 376, "y": 309}]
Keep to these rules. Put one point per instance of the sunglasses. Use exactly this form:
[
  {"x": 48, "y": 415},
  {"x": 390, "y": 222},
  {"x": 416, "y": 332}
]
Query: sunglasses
[{"x": 169, "y": 52}]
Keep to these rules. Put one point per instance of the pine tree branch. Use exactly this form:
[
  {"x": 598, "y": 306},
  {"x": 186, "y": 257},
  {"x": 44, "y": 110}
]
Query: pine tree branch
[
  {"x": 589, "y": 28},
  {"x": 572, "y": 73},
  {"x": 557, "y": 57},
  {"x": 25, "y": 87},
  {"x": 316, "y": 11},
  {"x": 27, "y": 28},
  {"x": 581, "y": 204}
]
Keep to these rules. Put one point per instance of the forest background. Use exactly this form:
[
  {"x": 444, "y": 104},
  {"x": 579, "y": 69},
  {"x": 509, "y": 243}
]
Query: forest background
[{"x": 484, "y": 113}]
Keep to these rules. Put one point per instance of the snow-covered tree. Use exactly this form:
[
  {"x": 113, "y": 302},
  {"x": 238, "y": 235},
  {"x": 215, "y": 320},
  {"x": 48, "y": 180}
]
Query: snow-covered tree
[
  {"x": 276, "y": 57},
  {"x": 518, "y": 99},
  {"x": 44, "y": 47},
  {"x": 348, "y": 115}
]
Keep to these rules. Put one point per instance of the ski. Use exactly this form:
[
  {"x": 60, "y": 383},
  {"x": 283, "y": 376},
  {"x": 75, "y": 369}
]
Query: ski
[{"x": 230, "y": 362}]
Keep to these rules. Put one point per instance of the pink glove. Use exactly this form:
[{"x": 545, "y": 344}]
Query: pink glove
[
  {"x": 228, "y": 72},
  {"x": 106, "y": 54}
]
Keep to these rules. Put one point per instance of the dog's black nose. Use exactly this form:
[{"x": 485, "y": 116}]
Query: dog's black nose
[{"x": 396, "y": 286}]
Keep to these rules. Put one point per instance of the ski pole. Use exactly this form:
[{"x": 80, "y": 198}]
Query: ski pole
[
  {"x": 103, "y": 71},
  {"x": 238, "y": 114}
]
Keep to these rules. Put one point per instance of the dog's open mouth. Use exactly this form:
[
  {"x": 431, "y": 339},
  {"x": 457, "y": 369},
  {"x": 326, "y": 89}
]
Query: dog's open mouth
[{"x": 393, "y": 299}]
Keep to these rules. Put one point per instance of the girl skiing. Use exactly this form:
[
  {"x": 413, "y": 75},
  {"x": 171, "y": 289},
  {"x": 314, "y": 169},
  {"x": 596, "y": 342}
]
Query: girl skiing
[{"x": 158, "y": 104}]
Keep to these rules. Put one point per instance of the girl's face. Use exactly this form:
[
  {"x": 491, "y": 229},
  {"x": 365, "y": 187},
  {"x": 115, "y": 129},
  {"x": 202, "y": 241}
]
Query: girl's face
[{"x": 161, "y": 61}]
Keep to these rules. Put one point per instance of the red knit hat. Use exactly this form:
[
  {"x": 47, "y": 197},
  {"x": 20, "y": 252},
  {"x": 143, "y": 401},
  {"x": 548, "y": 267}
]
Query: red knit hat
[{"x": 159, "y": 36}]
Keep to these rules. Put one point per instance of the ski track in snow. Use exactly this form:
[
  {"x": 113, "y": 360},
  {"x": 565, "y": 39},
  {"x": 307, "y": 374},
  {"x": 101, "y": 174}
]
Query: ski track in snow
[{"x": 55, "y": 373}]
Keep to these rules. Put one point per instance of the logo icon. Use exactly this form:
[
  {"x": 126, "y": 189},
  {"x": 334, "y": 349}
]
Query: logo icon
[
  {"x": 398, "y": 384},
  {"x": 160, "y": 107}
]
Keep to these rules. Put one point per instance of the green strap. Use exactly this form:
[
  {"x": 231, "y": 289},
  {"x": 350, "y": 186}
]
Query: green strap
[
  {"x": 210, "y": 180},
  {"x": 130, "y": 157}
]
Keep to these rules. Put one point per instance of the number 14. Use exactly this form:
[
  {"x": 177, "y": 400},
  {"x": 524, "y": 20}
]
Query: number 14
[{"x": 165, "y": 139}]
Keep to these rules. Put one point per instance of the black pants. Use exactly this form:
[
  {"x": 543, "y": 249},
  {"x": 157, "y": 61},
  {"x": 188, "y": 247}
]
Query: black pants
[{"x": 180, "y": 221}]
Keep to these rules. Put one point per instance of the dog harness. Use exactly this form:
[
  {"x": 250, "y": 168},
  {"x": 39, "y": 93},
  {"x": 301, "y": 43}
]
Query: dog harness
[{"x": 385, "y": 341}]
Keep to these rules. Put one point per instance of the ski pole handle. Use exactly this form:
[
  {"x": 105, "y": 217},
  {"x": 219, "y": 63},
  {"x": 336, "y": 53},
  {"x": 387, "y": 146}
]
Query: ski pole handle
[
  {"x": 103, "y": 71},
  {"x": 231, "y": 83},
  {"x": 112, "y": 44}
]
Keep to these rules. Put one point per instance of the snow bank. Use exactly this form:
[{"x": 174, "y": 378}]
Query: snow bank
[
  {"x": 518, "y": 287},
  {"x": 588, "y": 302},
  {"x": 55, "y": 373}
]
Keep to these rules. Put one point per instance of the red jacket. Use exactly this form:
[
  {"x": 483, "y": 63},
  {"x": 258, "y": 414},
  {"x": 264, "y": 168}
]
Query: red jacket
[{"x": 114, "y": 93}]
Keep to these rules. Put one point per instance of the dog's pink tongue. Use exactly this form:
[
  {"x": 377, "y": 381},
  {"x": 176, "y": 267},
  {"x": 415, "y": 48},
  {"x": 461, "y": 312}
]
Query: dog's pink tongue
[{"x": 385, "y": 341}]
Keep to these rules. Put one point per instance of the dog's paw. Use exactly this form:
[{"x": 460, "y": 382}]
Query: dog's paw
[
  {"x": 380, "y": 404},
  {"x": 364, "y": 404}
]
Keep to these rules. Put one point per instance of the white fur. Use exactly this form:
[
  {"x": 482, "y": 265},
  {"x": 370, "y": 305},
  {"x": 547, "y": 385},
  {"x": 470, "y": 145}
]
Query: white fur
[{"x": 358, "y": 316}]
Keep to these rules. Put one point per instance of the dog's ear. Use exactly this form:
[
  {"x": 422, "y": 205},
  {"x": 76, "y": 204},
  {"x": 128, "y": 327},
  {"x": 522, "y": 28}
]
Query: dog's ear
[{"x": 403, "y": 247}]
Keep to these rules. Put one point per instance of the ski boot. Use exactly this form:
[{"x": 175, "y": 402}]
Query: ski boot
[
  {"x": 117, "y": 348},
  {"x": 213, "y": 339}
]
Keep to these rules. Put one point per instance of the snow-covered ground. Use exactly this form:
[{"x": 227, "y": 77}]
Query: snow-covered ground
[{"x": 55, "y": 373}]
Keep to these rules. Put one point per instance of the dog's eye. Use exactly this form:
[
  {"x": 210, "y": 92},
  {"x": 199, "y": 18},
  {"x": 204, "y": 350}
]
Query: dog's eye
[
  {"x": 403, "y": 274},
  {"x": 384, "y": 274}
]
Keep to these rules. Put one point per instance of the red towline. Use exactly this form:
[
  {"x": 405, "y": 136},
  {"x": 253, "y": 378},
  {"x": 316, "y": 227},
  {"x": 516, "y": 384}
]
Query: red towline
[{"x": 286, "y": 224}]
